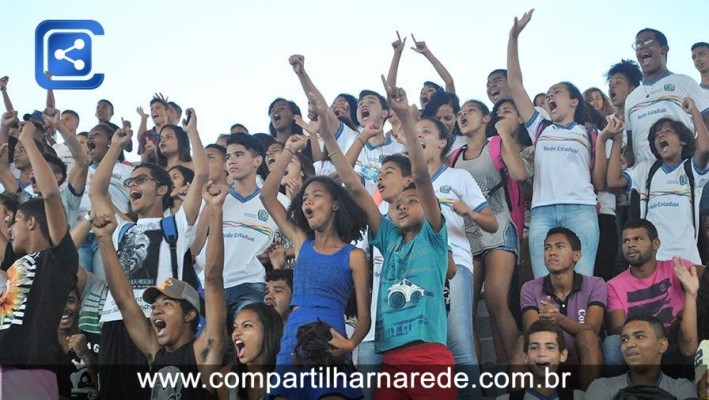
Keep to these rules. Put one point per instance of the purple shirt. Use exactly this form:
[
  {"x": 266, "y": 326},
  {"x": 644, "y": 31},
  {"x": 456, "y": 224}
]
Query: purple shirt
[{"x": 586, "y": 291}]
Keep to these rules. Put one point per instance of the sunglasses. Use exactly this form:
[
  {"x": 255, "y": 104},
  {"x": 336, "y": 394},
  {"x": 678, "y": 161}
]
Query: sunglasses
[{"x": 139, "y": 180}]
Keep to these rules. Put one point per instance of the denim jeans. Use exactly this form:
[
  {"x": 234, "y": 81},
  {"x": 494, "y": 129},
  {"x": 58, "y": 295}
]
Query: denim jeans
[
  {"x": 460, "y": 330},
  {"x": 368, "y": 361},
  {"x": 613, "y": 361},
  {"x": 236, "y": 298},
  {"x": 90, "y": 256},
  {"x": 581, "y": 219}
]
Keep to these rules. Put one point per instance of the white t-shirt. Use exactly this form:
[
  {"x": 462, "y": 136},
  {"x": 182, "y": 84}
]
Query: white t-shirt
[
  {"x": 562, "y": 162},
  {"x": 451, "y": 185},
  {"x": 369, "y": 162},
  {"x": 116, "y": 191},
  {"x": 248, "y": 231},
  {"x": 654, "y": 100},
  {"x": 606, "y": 200},
  {"x": 64, "y": 154},
  {"x": 142, "y": 252},
  {"x": 669, "y": 207},
  {"x": 377, "y": 262}
]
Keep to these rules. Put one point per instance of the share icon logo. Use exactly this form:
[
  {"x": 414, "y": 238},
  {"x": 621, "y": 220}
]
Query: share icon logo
[{"x": 64, "y": 48}]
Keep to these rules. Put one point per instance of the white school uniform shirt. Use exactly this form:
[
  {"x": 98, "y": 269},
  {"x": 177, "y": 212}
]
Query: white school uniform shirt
[
  {"x": 116, "y": 191},
  {"x": 654, "y": 100},
  {"x": 248, "y": 231},
  {"x": 669, "y": 207},
  {"x": 451, "y": 185},
  {"x": 369, "y": 161},
  {"x": 377, "y": 262},
  {"x": 562, "y": 162},
  {"x": 141, "y": 251}
]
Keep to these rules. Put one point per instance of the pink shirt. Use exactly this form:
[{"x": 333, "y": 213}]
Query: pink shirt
[{"x": 660, "y": 294}]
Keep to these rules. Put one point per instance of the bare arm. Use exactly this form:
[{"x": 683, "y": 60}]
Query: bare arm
[
  {"x": 613, "y": 128},
  {"x": 359, "y": 266},
  {"x": 47, "y": 184},
  {"x": 615, "y": 320},
  {"x": 209, "y": 347},
  {"x": 614, "y": 175},
  {"x": 524, "y": 105},
  {"x": 688, "y": 334},
  {"x": 79, "y": 172},
  {"x": 510, "y": 150},
  {"x": 269, "y": 193},
  {"x": 51, "y": 102},
  {"x": 7, "y": 179},
  {"x": 193, "y": 199},
  {"x": 138, "y": 327},
  {"x": 98, "y": 190},
  {"x": 421, "y": 48},
  {"x": 398, "y": 46},
  {"x": 5, "y": 96},
  {"x": 398, "y": 101},
  {"x": 701, "y": 153},
  {"x": 345, "y": 170}
]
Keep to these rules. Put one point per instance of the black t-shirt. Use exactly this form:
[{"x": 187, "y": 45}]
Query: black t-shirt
[
  {"x": 179, "y": 361},
  {"x": 32, "y": 305},
  {"x": 73, "y": 378}
]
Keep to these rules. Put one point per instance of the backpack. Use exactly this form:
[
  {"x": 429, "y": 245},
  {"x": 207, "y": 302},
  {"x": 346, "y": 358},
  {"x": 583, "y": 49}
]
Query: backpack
[
  {"x": 563, "y": 393},
  {"x": 643, "y": 392},
  {"x": 170, "y": 235},
  {"x": 687, "y": 164},
  {"x": 513, "y": 192}
]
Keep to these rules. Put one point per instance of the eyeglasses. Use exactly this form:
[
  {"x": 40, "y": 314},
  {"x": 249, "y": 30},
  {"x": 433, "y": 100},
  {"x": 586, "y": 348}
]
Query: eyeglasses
[
  {"x": 139, "y": 180},
  {"x": 640, "y": 45}
]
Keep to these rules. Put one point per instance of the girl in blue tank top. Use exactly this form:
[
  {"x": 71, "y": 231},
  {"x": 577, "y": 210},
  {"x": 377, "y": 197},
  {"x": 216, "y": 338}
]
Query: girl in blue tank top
[{"x": 322, "y": 221}]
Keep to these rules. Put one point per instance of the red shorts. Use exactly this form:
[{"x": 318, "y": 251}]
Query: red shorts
[{"x": 428, "y": 369}]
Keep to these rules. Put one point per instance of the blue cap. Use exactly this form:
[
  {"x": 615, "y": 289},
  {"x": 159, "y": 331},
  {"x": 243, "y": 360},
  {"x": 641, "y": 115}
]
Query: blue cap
[{"x": 35, "y": 114}]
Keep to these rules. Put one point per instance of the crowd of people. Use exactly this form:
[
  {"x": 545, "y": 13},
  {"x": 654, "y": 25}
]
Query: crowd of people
[{"x": 333, "y": 241}]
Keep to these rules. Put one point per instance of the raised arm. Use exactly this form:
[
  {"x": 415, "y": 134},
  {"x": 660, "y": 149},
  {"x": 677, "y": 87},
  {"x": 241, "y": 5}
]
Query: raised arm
[
  {"x": 701, "y": 153},
  {"x": 421, "y": 48},
  {"x": 7, "y": 179},
  {"x": 5, "y": 96},
  {"x": 47, "y": 184},
  {"x": 514, "y": 71},
  {"x": 688, "y": 334},
  {"x": 79, "y": 172},
  {"x": 269, "y": 192},
  {"x": 98, "y": 190},
  {"x": 297, "y": 61},
  {"x": 346, "y": 172},
  {"x": 613, "y": 128},
  {"x": 193, "y": 199},
  {"x": 369, "y": 131},
  {"x": 614, "y": 173},
  {"x": 399, "y": 103},
  {"x": 51, "y": 102},
  {"x": 398, "y": 46},
  {"x": 510, "y": 150},
  {"x": 209, "y": 347},
  {"x": 138, "y": 327}
]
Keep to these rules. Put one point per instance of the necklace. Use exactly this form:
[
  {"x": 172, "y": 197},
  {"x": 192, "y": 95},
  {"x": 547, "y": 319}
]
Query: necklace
[{"x": 648, "y": 93}]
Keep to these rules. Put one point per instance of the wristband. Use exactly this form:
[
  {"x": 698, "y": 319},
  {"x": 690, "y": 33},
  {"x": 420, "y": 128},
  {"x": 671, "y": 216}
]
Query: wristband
[
  {"x": 289, "y": 150},
  {"x": 88, "y": 219}
]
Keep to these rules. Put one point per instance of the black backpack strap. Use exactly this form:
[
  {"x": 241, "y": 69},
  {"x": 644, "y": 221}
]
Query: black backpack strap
[
  {"x": 653, "y": 169},
  {"x": 169, "y": 233},
  {"x": 690, "y": 178}
]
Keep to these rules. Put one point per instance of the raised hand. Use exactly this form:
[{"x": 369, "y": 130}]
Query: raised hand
[
  {"x": 521, "y": 23},
  {"x": 214, "y": 194},
  {"x": 614, "y": 127},
  {"x": 9, "y": 119},
  {"x": 160, "y": 96},
  {"x": 371, "y": 130},
  {"x": 688, "y": 278},
  {"x": 140, "y": 112},
  {"x": 277, "y": 256},
  {"x": 297, "y": 61},
  {"x": 420, "y": 47},
  {"x": 398, "y": 44},
  {"x": 505, "y": 127},
  {"x": 3, "y": 82},
  {"x": 690, "y": 106},
  {"x": 297, "y": 143},
  {"x": 77, "y": 344},
  {"x": 312, "y": 127},
  {"x": 122, "y": 136},
  {"x": 190, "y": 125},
  {"x": 397, "y": 99},
  {"x": 104, "y": 225},
  {"x": 48, "y": 75},
  {"x": 27, "y": 133},
  {"x": 150, "y": 147}
]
